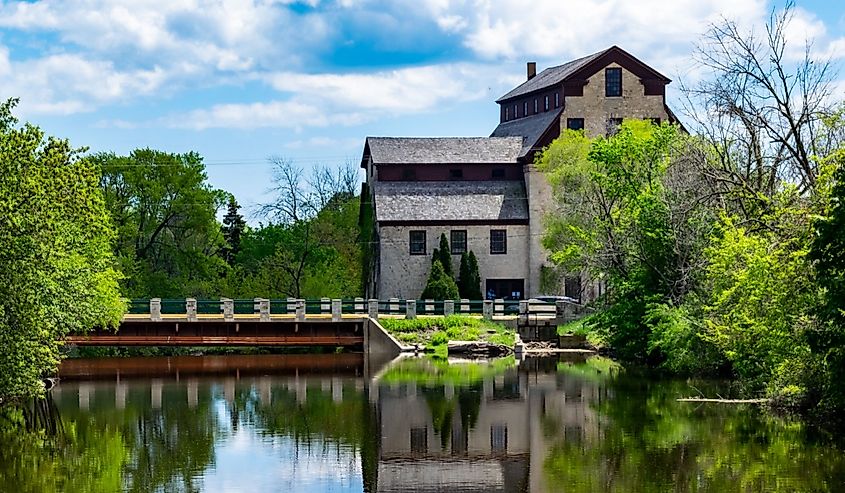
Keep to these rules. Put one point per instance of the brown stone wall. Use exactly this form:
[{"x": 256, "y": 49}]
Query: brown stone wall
[{"x": 596, "y": 109}]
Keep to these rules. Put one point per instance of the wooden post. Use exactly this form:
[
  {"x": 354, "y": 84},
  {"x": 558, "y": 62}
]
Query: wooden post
[
  {"x": 228, "y": 307},
  {"x": 155, "y": 309},
  {"x": 488, "y": 309},
  {"x": 191, "y": 309},
  {"x": 410, "y": 309},
  {"x": 300, "y": 310},
  {"x": 448, "y": 307},
  {"x": 372, "y": 308},
  {"x": 336, "y": 310}
]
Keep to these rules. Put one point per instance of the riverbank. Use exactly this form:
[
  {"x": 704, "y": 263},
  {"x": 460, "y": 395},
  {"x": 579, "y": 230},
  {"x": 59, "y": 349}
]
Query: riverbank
[{"x": 436, "y": 334}]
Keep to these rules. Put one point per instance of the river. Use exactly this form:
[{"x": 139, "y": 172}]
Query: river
[{"x": 344, "y": 423}]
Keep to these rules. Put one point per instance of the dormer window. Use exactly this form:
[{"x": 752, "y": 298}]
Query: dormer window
[
  {"x": 535, "y": 106},
  {"x": 525, "y": 108},
  {"x": 515, "y": 114},
  {"x": 498, "y": 173},
  {"x": 456, "y": 174},
  {"x": 557, "y": 100},
  {"x": 613, "y": 82},
  {"x": 507, "y": 115},
  {"x": 546, "y": 104}
]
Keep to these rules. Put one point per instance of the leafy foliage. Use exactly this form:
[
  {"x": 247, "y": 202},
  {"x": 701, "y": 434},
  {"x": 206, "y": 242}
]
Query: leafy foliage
[
  {"x": 56, "y": 266},
  {"x": 168, "y": 237},
  {"x": 440, "y": 286},
  {"x": 469, "y": 281}
]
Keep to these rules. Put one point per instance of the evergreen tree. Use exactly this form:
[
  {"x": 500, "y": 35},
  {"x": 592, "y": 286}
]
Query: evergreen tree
[
  {"x": 439, "y": 286},
  {"x": 472, "y": 285},
  {"x": 463, "y": 275},
  {"x": 233, "y": 227},
  {"x": 444, "y": 254}
]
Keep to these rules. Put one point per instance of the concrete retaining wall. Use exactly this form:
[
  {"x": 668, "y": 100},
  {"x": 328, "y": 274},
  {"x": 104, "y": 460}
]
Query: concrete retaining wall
[{"x": 378, "y": 342}]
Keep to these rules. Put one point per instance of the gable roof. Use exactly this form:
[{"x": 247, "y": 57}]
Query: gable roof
[
  {"x": 531, "y": 128},
  {"x": 583, "y": 68},
  {"x": 442, "y": 150},
  {"x": 490, "y": 201}
]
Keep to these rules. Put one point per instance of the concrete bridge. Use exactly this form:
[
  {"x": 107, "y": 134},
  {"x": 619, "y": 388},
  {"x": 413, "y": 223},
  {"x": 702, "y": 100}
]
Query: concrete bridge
[{"x": 299, "y": 322}]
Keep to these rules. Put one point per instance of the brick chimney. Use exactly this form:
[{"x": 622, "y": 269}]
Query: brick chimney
[{"x": 532, "y": 69}]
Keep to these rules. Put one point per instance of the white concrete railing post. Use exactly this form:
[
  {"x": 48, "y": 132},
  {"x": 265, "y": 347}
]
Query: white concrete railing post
[
  {"x": 262, "y": 306},
  {"x": 448, "y": 307},
  {"x": 291, "y": 306},
  {"x": 372, "y": 308},
  {"x": 429, "y": 306},
  {"x": 499, "y": 306},
  {"x": 359, "y": 305},
  {"x": 300, "y": 310},
  {"x": 523, "y": 307},
  {"x": 487, "y": 309},
  {"x": 155, "y": 309},
  {"x": 191, "y": 309},
  {"x": 228, "y": 307},
  {"x": 336, "y": 310},
  {"x": 464, "y": 305},
  {"x": 325, "y": 305},
  {"x": 410, "y": 309},
  {"x": 394, "y": 305}
]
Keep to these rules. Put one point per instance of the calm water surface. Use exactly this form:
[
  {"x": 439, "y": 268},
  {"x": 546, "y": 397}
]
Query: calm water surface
[{"x": 316, "y": 423}]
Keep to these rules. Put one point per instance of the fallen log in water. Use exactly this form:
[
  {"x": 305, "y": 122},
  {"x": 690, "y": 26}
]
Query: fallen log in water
[
  {"x": 478, "y": 348},
  {"x": 724, "y": 401}
]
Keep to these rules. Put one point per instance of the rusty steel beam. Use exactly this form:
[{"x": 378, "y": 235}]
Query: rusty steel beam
[{"x": 178, "y": 340}]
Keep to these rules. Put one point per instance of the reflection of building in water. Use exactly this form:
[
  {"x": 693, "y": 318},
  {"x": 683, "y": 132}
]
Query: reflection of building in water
[{"x": 493, "y": 436}]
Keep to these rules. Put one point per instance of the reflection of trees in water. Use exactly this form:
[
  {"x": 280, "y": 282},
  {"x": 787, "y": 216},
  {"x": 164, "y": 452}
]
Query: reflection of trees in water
[
  {"x": 647, "y": 441},
  {"x": 465, "y": 402}
]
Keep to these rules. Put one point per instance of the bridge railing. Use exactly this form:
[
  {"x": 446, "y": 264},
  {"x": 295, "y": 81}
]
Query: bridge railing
[{"x": 393, "y": 307}]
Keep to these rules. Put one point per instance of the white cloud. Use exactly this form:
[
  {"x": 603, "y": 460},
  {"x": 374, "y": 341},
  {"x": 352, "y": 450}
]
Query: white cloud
[{"x": 281, "y": 114}]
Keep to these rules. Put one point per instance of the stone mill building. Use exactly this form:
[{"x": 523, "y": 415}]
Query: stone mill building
[{"x": 485, "y": 193}]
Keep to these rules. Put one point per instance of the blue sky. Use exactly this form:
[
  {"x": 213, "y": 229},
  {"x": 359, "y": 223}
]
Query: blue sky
[{"x": 242, "y": 80}]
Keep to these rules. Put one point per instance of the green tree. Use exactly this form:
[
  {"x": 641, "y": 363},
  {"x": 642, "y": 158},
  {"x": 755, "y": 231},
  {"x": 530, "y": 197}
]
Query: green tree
[
  {"x": 165, "y": 213},
  {"x": 439, "y": 286},
  {"x": 56, "y": 265},
  {"x": 469, "y": 282},
  {"x": 444, "y": 254},
  {"x": 232, "y": 229},
  {"x": 827, "y": 338}
]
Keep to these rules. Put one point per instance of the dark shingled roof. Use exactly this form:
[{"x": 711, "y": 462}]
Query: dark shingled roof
[
  {"x": 530, "y": 127},
  {"x": 550, "y": 76},
  {"x": 443, "y": 150},
  {"x": 450, "y": 201}
]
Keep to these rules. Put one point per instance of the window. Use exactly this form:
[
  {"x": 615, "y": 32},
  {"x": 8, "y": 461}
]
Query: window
[
  {"x": 417, "y": 242},
  {"x": 456, "y": 174},
  {"x": 458, "y": 241},
  {"x": 499, "y": 439},
  {"x": 525, "y": 108},
  {"x": 498, "y": 242},
  {"x": 575, "y": 123},
  {"x": 409, "y": 174},
  {"x": 498, "y": 173},
  {"x": 535, "y": 106},
  {"x": 515, "y": 114},
  {"x": 507, "y": 115},
  {"x": 546, "y": 104},
  {"x": 557, "y": 100},
  {"x": 612, "y": 82},
  {"x": 419, "y": 440},
  {"x": 613, "y": 125}
]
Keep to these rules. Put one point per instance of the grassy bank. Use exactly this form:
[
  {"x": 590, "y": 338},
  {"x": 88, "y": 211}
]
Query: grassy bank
[
  {"x": 582, "y": 327},
  {"x": 436, "y": 332}
]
